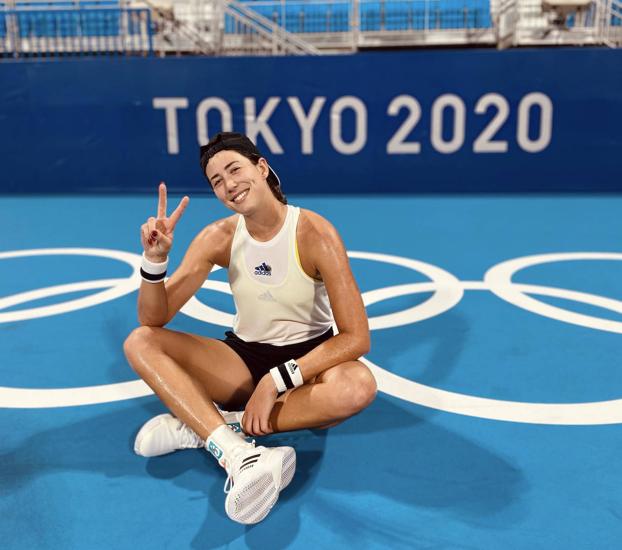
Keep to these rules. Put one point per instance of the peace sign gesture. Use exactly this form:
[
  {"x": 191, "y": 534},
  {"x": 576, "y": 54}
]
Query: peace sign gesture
[{"x": 157, "y": 233}]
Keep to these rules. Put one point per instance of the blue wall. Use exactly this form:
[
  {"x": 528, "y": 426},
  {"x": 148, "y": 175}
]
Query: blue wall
[{"x": 553, "y": 119}]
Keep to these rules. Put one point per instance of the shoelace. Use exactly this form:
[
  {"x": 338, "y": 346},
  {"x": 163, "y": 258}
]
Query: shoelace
[
  {"x": 235, "y": 454},
  {"x": 188, "y": 438}
]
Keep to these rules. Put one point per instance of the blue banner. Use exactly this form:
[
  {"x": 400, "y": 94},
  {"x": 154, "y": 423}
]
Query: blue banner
[{"x": 383, "y": 122}]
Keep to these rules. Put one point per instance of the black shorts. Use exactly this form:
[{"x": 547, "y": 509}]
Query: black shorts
[{"x": 260, "y": 358}]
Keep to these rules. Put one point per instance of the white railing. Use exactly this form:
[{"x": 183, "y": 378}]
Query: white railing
[
  {"x": 357, "y": 24},
  {"x": 280, "y": 39},
  {"x": 505, "y": 17},
  {"x": 310, "y": 27},
  {"x": 568, "y": 22},
  {"x": 220, "y": 27},
  {"x": 609, "y": 21}
]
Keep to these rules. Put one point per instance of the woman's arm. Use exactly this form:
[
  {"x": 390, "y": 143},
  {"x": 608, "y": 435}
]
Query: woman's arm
[
  {"x": 159, "y": 302},
  {"x": 322, "y": 249},
  {"x": 322, "y": 254},
  {"x": 157, "y": 306}
]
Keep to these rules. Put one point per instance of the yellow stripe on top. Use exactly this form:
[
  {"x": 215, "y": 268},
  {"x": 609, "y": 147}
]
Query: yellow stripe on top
[{"x": 276, "y": 301}]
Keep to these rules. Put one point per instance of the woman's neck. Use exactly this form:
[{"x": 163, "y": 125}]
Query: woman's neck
[{"x": 266, "y": 222}]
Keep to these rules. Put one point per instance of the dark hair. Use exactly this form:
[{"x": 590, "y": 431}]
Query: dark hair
[{"x": 232, "y": 141}]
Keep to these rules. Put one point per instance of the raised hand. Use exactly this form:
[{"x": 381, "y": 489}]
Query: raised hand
[{"x": 157, "y": 233}]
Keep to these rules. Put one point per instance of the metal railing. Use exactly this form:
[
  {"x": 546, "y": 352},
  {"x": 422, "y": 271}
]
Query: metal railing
[
  {"x": 355, "y": 24},
  {"x": 27, "y": 31},
  {"x": 219, "y": 27},
  {"x": 540, "y": 23},
  {"x": 256, "y": 27},
  {"x": 194, "y": 29},
  {"x": 374, "y": 15},
  {"x": 308, "y": 27},
  {"x": 376, "y": 23},
  {"x": 609, "y": 19}
]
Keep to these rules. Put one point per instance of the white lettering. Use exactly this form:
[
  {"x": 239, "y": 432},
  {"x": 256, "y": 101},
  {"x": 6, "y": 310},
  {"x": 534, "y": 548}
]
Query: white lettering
[
  {"x": 170, "y": 106},
  {"x": 457, "y": 139},
  {"x": 306, "y": 122},
  {"x": 258, "y": 124},
  {"x": 225, "y": 116},
  {"x": 398, "y": 144},
  {"x": 546, "y": 122},
  {"x": 484, "y": 142},
  {"x": 360, "y": 134}
]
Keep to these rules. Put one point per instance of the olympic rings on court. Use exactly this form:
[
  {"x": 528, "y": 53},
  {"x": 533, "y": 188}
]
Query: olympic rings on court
[
  {"x": 499, "y": 280},
  {"x": 116, "y": 287},
  {"x": 447, "y": 292}
]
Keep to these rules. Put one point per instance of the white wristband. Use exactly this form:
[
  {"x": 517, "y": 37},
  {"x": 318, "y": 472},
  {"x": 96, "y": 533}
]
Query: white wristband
[
  {"x": 287, "y": 376},
  {"x": 278, "y": 380},
  {"x": 153, "y": 272},
  {"x": 153, "y": 268}
]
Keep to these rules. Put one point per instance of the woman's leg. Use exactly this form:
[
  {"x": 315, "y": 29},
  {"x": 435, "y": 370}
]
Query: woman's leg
[
  {"x": 189, "y": 373},
  {"x": 338, "y": 393}
]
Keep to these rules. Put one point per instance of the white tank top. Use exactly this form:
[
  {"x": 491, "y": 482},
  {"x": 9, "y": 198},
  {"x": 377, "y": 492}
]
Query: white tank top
[{"x": 276, "y": 301}]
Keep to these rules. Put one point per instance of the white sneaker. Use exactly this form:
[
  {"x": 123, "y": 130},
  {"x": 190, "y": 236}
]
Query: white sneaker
[
  {"x": 164, "y": 434},
  {"x": 256, "y": 477}
]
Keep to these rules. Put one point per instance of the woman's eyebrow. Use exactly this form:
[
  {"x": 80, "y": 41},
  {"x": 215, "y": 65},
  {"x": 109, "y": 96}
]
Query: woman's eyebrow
[{"x": 226, "y": 168}]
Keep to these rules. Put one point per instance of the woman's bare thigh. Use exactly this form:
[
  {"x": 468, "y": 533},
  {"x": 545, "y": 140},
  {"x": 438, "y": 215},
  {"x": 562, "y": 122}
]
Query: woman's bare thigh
[{"x": 207, "y": 360}]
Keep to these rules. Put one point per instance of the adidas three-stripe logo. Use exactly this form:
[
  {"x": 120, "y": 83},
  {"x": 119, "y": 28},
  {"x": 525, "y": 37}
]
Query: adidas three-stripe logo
[
  {"x": 263, "y": 269},
  {"x": 249, "y": 461}
]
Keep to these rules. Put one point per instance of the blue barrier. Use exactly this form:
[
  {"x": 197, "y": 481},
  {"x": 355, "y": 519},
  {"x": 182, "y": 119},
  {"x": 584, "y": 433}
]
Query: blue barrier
[{"x": 424, "y": 121}]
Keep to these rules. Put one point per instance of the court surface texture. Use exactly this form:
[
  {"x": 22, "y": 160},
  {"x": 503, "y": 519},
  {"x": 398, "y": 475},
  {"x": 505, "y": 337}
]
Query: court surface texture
[{"x": 496, "y": 337}]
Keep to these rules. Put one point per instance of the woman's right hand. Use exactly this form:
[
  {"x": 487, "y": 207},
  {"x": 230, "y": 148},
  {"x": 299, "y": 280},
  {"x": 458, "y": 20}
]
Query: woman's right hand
[{"x": 157, "y": 234}]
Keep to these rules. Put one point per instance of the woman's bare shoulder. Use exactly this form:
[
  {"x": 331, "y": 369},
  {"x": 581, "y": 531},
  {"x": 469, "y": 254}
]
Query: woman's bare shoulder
[
  {"x": 313, "y": 225},
  {"x": 220, "y": 228},
  {"x": 214, "y": 240}
]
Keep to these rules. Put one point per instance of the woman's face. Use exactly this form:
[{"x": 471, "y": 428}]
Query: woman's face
[{"x": 237, "y": 182}]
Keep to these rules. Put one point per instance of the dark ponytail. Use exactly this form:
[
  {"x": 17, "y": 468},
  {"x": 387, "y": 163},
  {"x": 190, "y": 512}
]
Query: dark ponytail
[
  {"x": 275, "y": 187},
  {"x": 273, "y": 182}
]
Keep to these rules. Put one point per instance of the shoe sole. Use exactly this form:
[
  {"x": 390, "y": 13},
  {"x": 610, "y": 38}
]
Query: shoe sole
[
  {"x": 288, "y": 468},
  {"x": 256, "y": 499}
]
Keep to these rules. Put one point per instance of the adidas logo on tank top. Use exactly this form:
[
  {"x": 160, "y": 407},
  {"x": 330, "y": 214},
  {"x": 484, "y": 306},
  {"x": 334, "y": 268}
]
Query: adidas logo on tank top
[{"x": 263, "y": 269}]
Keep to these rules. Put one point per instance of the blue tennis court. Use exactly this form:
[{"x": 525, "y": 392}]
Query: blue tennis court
[{"x": 495, "y": 341}]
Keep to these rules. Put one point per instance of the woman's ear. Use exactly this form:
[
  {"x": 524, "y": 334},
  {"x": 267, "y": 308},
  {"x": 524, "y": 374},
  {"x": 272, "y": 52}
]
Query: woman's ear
[{"x": 264, "y": 169}]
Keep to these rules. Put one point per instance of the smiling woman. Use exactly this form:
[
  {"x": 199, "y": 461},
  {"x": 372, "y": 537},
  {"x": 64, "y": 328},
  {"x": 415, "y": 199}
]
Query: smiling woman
[
  {"x": 282, "y": 364},
  {"x": 238, "y": 143}
]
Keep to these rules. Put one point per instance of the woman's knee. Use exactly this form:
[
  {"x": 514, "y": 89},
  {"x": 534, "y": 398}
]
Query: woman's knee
[
  {"x": 355, "y": 388},
  {"x": 140, "y": 339},
  {"x": 364, "y": 388}
]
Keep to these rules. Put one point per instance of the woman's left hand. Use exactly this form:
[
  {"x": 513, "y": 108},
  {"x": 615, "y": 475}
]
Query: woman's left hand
[{"x": 256, "y": 420}]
